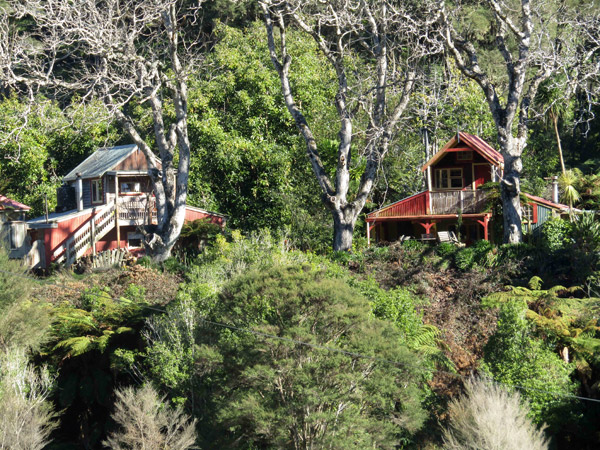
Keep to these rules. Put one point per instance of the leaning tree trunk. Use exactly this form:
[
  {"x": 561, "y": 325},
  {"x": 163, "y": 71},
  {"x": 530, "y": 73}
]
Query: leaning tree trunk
[{"x": 560, "y": 152}]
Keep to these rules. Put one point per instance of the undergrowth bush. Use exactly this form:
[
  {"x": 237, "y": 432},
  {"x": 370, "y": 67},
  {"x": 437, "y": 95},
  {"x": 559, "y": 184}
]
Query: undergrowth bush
[
  {"x": 515, "y": 357},
  {"x": 145, "y": 422},
  {"x": 26, "y": 416},
  {"x": 465, "y": 258},
  {"x": 446, "y": 249},
  {"x": 556, "y": 234}
]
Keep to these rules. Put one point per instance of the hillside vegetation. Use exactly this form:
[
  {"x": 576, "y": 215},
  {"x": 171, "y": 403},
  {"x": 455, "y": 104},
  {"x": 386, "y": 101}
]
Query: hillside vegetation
[{"x": 260, "y": 346}]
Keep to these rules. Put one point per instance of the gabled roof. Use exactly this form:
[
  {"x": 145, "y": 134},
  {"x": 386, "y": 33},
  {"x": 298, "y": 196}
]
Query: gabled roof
[
  {"x": 7, "y": 203},
  {"x": 101, "y": 161},
  {"x": 474, "y": 142}
]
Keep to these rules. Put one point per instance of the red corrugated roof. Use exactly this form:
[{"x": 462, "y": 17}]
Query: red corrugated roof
[
  {"x": 7, "y": 203},
  {"x": 483, "y": 147},
  {"x": 543, "y": 201},
  {"x": 476, "y": 143}
]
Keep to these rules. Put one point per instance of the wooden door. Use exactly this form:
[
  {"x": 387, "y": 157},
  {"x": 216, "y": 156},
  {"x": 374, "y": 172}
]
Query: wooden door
[{"x": 482, "y": 174}]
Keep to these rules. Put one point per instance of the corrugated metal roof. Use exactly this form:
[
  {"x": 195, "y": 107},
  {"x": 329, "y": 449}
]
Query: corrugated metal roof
[
  {"x": 476, "y": 143},
  {"x": 543, "y": 201},
  {"x": 54, "y": 217},
  {"x": 7, "y": 203},
  {"x": 101, "y": 161}
]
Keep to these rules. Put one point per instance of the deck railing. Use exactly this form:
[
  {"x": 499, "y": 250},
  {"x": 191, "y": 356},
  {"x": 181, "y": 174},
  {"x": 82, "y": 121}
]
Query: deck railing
[
  {"x": 137, "y": 210},
  {"x": 450, "y": 202},
  {"x": 96, "y": 227}
]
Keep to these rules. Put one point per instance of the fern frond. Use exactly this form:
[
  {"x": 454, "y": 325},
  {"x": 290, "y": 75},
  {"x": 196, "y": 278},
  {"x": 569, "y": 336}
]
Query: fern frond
[{"x": 76, "y": 346}]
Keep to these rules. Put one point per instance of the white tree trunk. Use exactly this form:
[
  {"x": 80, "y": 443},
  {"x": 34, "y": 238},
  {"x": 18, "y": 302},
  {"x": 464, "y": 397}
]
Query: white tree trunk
[
  {"x": 344, "y": 220},
  {"x": 510, "y": 186}
]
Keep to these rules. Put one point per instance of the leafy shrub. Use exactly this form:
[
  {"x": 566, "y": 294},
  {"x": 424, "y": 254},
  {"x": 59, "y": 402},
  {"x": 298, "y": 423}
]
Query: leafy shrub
[
  {"x": 23, "y": 323},
  {"x": 585, "y": 232},
  {"x": 488, "y": 416},
  {"x": 556, "y": 234},
  {"x": 85, "y": 340},
  {"x": 482, "y": 248},
  {"x": 341, "y": 257},
  {"x": 146, "y": 261},
  {"x": 398, "y": 306},
  {"x": 446, "y": 249},
  {"x": 300, "y": 303},
  {"x": 173, "y": 265},
  {"x": 515, "y": 357},
  {"x": 414, "y": 246},
  {"x": 465, "y": 258}
]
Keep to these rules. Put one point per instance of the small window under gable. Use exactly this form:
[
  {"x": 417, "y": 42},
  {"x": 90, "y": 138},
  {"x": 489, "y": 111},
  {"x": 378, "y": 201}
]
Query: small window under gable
[
  {"x": 464, "y": 156},
  {"x": 97, "y": 191}
]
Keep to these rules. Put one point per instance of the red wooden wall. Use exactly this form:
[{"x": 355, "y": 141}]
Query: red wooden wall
[{"x": 411, "y": 206}]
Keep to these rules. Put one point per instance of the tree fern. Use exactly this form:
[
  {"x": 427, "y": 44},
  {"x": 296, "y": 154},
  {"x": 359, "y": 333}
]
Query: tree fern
[{"x": 556, "y": 314}]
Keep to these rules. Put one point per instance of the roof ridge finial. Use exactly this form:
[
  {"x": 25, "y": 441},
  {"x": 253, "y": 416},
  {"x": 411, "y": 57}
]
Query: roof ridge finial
[{"x": 457, "y": 133}]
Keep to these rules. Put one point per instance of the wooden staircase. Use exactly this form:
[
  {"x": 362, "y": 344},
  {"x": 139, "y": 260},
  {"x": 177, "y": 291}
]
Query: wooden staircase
[{"x": 97, "y": 226}]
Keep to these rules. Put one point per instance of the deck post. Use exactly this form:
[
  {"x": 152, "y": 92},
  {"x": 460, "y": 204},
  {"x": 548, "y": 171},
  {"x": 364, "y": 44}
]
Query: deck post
[
  {"x": 484, "y": 223},
  {"x": 368, "y": 234},
  {"x": 427, "y": 225},
  {"x": 117, "y": 212}
]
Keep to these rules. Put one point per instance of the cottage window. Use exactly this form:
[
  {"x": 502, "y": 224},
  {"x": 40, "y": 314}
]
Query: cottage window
[
  {"x": 464, "y": 156},
  {"x": 449, "y": 179},
  {"x": 97, "y": 193},
  {"x": 134, "y": 240},
  {"x": 130, "y": 187},
  {"x": 528, "y": 213}
]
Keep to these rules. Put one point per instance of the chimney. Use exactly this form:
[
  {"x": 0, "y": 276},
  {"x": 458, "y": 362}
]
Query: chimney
[
  {"x": 555, "y": 189},
  {"x": 79, "y": 193}
]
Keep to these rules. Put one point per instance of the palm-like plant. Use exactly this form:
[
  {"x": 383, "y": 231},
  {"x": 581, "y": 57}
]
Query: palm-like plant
[{"x": 567, "y": 182}]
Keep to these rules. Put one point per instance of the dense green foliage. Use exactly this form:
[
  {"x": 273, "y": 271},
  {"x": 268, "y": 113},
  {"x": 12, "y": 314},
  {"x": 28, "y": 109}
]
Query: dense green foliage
[
  {"x": 297, "y": 394},
  {"x": 516, "y": 358}
]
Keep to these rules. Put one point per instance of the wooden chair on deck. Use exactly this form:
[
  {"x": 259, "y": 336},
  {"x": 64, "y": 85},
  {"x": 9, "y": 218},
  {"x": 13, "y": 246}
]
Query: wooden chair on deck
[{"x": 449, "y": 236}]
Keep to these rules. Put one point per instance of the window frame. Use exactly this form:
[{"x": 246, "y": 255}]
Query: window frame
[
  {"x": 467, "y": 153},
  {"x": 531, "y": 209},
  {"x": 100, "y": 190},
  {"x": 135, "y": 235},
  {"x": 439, "y": 178}
]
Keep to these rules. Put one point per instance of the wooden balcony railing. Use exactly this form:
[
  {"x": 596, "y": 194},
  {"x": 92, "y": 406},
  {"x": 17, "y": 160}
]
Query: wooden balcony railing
[
  {"x": 450, "y": 202},
  {"x": 137, "y": 210}
]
